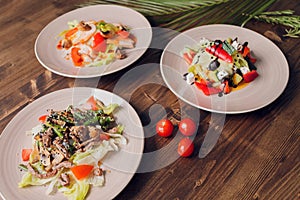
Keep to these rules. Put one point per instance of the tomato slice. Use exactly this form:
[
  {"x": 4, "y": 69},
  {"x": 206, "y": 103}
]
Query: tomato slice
[
  {"x": 43, "y": 118},
  {"x": 185, "y": 147},
  {"x": 164, "y": 128},
  {"x": 123, "y": 34},
  {"x": 187, "y": 58},
  {"x": 104, "y": 136},
  {"x": 187, "y": 127},
  {"x": 82, "y": 171},
  {"x": 99, "y": 44},
  {"x": 76, "y": 57},
  {"x": 205, "y": 89},
  {"x": 93, "y": 103},
  {"x": 250, "y": 76},
  {"x": 226, "y": 88},
  {"x": 26, "y": 154}
]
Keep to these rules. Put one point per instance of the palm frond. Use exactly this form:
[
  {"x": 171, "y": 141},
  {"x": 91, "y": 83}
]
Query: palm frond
[
  {"x": 184, "y": 14},
  {"x": 158, "y": 7},
  {"x": 284, "y": 17}
]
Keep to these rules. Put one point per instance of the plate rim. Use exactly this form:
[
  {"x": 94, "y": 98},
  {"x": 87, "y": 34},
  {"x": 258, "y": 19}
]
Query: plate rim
[
  {"x": 98, "y": 74},
  {"x": 226, "y": 111},
  {"x": 4, "y": 133}
]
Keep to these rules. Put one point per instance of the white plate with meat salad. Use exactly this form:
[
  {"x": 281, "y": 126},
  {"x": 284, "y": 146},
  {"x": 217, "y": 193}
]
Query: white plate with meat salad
[
  {"x": 76, "y": 143},
  {"x": 224, "y": 69},
  {"x": 93, "y": 41}
]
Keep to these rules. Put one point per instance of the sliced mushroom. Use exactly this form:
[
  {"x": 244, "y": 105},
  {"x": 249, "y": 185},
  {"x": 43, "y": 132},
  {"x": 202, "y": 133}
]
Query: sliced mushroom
[
  {"x": 84, "y": 26},
  {"x": 66, "y": 43},
  {"x": 45, "y": 157},
  {"x": 57, "y": 157}
]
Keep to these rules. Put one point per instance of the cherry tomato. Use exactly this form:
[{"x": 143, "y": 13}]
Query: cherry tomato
[
  {"x": 187, "y": 127},
  {"x": 164, "y": 128},
  {"x": 185, "y": 147}
]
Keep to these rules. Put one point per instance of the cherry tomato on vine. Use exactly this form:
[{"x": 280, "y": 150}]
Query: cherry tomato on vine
[
  {"x": 187, "y": 127},
  {"x": 185, "y": 147},
  {"x": 164, "y": 128}
]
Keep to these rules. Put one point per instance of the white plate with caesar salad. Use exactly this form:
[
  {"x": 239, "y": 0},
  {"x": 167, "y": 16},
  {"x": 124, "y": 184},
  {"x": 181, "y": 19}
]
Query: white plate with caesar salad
[{"x": 83, "y": 54}]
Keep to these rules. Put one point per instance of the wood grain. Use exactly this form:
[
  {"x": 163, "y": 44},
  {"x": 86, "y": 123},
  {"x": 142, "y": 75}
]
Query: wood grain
[{"x": 257, "y": 155}]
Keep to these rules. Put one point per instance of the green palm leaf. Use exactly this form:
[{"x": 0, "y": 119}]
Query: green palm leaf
[
  {"x": 184, "y": 14},
  {"x": 158, "y": 7}
]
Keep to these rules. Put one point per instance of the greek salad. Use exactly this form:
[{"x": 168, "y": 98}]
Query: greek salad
[
  {"x": 216, "y": 67},
  {"x": 95, "y": 43},
  {"x": 68, "y": 148}
]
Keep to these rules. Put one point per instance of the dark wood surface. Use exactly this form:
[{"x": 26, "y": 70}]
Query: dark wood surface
[{"x": 257, "y": 155}]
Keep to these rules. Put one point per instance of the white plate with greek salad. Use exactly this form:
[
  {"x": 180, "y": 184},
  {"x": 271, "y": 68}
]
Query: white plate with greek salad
[
  {"x": 224, "y": 69},
  {"x": 93, "y": 41},
  {"x": 60, "y": 163}
]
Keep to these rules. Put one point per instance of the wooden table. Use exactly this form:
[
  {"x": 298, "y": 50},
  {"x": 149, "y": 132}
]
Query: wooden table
[{"x": 257, "y": 155}]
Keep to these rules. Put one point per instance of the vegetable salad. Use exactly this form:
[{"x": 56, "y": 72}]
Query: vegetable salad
[
  {"x": 95, "y": 43},
  {"x": 68, "y": 146},
  {"x": 215, "y": 67}
]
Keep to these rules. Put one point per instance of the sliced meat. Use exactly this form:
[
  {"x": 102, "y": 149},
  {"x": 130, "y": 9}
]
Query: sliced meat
[
  {"x": 61, "y": 148},
  {"x": 94, "y": 139},
  {"x": 64, "y": 179},
  {"x": 64, "y": 164},
  {"x": 98, "y": 171},
  {"x": 93, "y": 131},
  {"x": 38, "y": 175},
  {"x": 80, "y": 132},
  {"x": 120, "y": 55},
  {"x": 46, "y": 137}
]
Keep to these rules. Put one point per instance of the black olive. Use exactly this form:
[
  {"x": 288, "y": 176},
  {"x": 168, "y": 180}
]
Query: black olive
[
  {"x": 213, "y": 65},
  {"x": 218, "y": 42}
]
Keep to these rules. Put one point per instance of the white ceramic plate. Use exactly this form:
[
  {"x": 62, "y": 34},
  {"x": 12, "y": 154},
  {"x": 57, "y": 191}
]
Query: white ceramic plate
[
  {"x": 51, "y": 58},
  {"x": 271, "y": 65},
  {"x": 122, "y": 164}
]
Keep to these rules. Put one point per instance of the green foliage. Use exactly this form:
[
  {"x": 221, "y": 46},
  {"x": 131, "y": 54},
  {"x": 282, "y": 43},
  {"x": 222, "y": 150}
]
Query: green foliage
[
  {"x": 181, "y": 15},
  {"x": 285, "y": 18}
]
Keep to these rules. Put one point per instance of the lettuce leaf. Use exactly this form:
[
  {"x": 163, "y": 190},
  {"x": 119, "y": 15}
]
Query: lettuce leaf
[
  {"x": 96, "y": 180},
  {"x": 110, "y": 108},
  {"x": 77, "y": 190},
  {"x": 92, "y": 156},
  {"x": 28, "y": 179}
]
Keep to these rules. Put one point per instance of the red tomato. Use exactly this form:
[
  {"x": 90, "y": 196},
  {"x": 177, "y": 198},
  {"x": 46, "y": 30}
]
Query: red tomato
[
  {"x": 76, "y": 57},
  {"x": 187, "y": 127},
  {"x": 99, "y": 44},
  {"x": 164, "y": 128},
  {"x": 185, "y": 147},
  {"x": 250, "y": 76},
  {"x": 82, "y": 171},
  {"x": 43, "y": 118},
  {"x": 26, "y": 154},
  {"x": 104, "y": 136},
  {"x": 123, "y": 34},
  {"x": 93, "y": 103}
]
